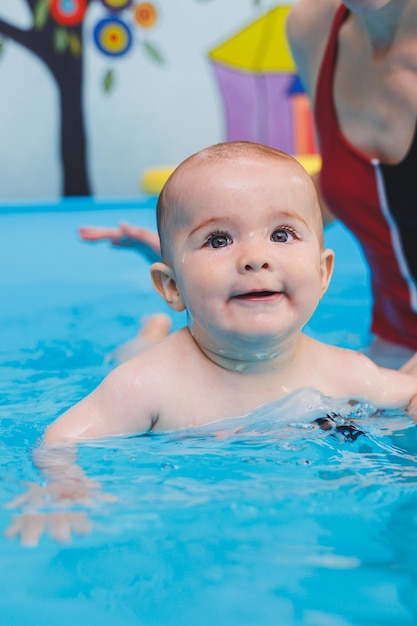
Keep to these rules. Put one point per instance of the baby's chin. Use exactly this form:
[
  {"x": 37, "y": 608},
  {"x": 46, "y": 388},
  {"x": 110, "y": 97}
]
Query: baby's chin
[
  {"x": 240, "y": 355},
  {"x": 261, "y": 340}
]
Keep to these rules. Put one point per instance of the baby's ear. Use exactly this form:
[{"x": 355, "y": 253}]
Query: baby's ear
[
  {"x": 326, "y": 268},
  {"x": 164, "y": 281}
]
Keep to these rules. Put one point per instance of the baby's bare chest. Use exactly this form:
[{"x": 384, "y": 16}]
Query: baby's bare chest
[{"x": 198, "y": 397}]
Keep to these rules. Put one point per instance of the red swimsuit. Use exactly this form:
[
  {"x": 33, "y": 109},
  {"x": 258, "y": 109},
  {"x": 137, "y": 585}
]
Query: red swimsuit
[{"x": 378, "y": 203}]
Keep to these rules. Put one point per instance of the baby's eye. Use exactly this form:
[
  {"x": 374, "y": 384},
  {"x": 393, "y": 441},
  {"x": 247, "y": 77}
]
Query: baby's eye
[
  {"x": 218, "y": 240},
  {"x": 283, "y": 235}
]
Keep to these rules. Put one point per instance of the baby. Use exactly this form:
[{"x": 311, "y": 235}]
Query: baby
[{"x": 242, "y": 251}]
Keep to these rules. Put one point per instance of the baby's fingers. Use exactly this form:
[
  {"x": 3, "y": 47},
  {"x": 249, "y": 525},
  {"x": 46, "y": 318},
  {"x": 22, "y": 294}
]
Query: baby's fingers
[
  {"x": 98, "y": 233},
  {"x": 106, "y": 497},
  {"x": 28, "y": 526},
  {"x": 60, "y": 525},
  {"x": 81, "y": 524}
]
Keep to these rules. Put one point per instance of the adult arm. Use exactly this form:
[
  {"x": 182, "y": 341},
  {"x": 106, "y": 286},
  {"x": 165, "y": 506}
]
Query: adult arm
[
  {"x": 307, "y": 28},
  {"x": 326, "y": 213}
]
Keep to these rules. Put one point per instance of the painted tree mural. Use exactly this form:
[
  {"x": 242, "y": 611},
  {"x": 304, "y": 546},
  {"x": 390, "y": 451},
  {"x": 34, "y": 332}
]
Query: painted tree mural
[{"x": 56, "y": 38}]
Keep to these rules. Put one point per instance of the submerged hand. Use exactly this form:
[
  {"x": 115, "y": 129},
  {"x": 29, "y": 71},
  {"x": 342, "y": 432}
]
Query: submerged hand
[
  {"x": 142, "y": 240},
  {"x": 35, "y": 521},
  {"x": 31, "y": 526}
]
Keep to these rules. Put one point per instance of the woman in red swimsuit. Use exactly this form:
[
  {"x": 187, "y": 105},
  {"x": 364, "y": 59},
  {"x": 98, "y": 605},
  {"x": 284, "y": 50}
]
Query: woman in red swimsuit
[{"x": 358, "y": 62}]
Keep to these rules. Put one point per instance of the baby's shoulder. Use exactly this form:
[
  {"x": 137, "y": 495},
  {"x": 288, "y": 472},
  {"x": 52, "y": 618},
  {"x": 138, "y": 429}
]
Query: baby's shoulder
[
  {"x": 153, "y": 379},
  {"x": 355, "y": 374},
  {"x": 175, "y": 353},
  {"x": 347, "y": 357},
  {"x": 342, "y": 366}
]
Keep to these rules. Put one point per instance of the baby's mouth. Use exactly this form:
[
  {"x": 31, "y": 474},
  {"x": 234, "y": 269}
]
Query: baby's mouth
[{"x": 257, "y": 295}]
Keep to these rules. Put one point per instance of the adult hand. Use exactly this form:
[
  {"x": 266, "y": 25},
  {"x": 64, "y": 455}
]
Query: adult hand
[{"x": 143, "y": 240}]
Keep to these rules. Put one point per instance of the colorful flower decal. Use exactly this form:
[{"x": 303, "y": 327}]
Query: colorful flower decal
[
  {"x": 68, "y": 12},
  {"x": 112, "y": 36},
  {"x": 116, "y": 5},
  {"x": 145, "y": 14}
]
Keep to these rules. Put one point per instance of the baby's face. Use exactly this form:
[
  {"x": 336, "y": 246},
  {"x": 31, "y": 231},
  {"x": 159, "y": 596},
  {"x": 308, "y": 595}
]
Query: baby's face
[{"x": 247, "y": 252}]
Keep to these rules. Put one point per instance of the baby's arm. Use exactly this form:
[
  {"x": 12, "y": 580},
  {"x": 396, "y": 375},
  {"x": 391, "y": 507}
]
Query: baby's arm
[
  {"x": 350, "y": 374},
  {"x": 408, "y": 383},
  {"x": 121, "y": 405},
  {"x": 410, "y": 367},
  {"x": 388, "y": 388}
]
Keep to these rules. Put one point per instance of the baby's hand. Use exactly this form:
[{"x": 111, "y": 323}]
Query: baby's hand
[
  {"x": 31, "y": 526},
  {"x": 35, "y": 520},
  {"x": 142, "y": 240}
]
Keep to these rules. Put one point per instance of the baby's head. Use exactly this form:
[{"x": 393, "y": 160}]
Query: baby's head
[
  {"x": 200, "y": 173},
  {"x": 242, "y": 247}
]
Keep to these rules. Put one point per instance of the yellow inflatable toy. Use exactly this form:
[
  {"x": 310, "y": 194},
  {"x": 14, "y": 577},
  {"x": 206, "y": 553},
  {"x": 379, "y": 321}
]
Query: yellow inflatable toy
[
  {"x": 153, "y": 180},
  {"x": 310, "y": 162}
]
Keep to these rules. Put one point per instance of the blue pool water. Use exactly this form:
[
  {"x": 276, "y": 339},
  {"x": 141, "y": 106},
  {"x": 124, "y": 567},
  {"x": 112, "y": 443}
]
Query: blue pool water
[{"x": 273, "y": 522}]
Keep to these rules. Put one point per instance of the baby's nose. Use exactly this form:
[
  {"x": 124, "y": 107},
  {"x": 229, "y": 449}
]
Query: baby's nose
[
  {"x": 254, "y": 258},
  {"x": 255, "y": 266}
]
